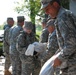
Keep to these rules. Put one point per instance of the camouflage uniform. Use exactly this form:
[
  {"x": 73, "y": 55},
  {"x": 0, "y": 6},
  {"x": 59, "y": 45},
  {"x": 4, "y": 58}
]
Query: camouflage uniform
[
  {"x": 44, "y": 35},
  {"x": 5, "y": 26},
  {"x": 15, "y": 60},
  {"x": 52, "y": 45},
  {"x": 66, "y": 36},
  {"x": 52, "y": 48},
  {"x": 6, "y": 47},
  {"x": 29, "y": 63},
  {"x": 52, "y": 40}
]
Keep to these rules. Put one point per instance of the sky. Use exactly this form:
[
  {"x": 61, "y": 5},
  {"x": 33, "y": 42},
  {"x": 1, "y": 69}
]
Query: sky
[{"x": 7, "y": 10}]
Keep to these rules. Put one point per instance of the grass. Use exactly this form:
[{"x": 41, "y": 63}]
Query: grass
[{"x": 1, "y": 44}]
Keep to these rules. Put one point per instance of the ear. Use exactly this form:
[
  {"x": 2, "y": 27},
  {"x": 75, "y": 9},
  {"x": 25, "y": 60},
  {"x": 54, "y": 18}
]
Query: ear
[{"x": 55, "y": 4}]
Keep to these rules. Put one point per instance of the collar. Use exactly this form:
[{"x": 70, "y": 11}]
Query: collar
[{"x": 61, "y": 11}]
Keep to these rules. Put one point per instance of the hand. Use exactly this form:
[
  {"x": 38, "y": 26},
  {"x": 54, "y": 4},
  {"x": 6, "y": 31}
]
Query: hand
[{"x": 57, "y": 62}]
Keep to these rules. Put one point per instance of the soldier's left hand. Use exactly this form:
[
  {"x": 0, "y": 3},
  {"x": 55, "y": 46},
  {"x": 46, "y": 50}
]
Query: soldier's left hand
[{"x": 57, "y": 62}]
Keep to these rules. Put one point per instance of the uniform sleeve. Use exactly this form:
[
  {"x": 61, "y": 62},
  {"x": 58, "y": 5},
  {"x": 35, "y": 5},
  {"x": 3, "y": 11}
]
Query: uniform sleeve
[
  {"x": 44, "y": 36},
  {"x": 52, "y": 47},
  {"x": 68, "y": 32},
  {"x": 10, "y": 34},
  {"x": 5, "y": 42},
  {"x": 6, "y": 34},
  {"x": 20, "y": 44}
]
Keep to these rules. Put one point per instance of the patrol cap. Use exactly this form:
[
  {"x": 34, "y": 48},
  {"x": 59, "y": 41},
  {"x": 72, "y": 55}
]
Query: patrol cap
[
  {"x": 44, "y": 3},
  {"x": 9, "y": 18},
  {"x": 28, "y": 25},
  {"x": 20, "y": 18},
  {"x": 50, "y": 23}
]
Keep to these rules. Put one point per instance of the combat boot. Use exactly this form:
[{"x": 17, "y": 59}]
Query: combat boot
[{"x": 7, "y": 72}]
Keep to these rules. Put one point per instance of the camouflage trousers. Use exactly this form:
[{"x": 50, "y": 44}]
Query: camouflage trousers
[
  {"x": 16, "y": 64},
  {"x": 7, "y": 62},
  {"x": 29, "y": 66},
  {"x": 37, "y": 66}
]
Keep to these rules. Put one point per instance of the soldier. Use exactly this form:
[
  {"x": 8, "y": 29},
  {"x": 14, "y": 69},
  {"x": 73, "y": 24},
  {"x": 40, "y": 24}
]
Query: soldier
[
  {"x": 53, "y": 47},
  {"x": 52, "y": 40},
  {"x": 14, "y": 54},
  {"x": 45, "y": 33},
  {"x": 66, "y": 34},
  {"x": 52, "y": 43},
  {"x": 10, "y": 23},
  {"x": 29, "y": 63}
]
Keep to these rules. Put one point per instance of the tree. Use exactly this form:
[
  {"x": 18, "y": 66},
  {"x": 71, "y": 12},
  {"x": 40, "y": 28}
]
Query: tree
[{"x": 30, "y": 8}]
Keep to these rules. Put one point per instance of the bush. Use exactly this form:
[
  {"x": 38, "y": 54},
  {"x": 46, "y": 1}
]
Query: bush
[{"x": 1, "y": 48}]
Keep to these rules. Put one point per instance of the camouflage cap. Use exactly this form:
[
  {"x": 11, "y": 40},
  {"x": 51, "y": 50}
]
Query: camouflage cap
[
  {"x": 50, "y": 23},
  {"x": 20, "y": 18},
  {"x": 28, "y": 25},
  {"x": 9, "y": 18},
  {"x": 44, "y": 3}
]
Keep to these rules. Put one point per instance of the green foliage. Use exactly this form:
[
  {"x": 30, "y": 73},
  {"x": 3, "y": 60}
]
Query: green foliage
[
  {"x": 38, "y": 32},
  {"x": 1, "y": 44},
  {"x": 32, "y": 6},
  {"x": 38, "y": 29},
  {"x": 1, "y": 27},
  {"x": 1, "y": 48}
]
